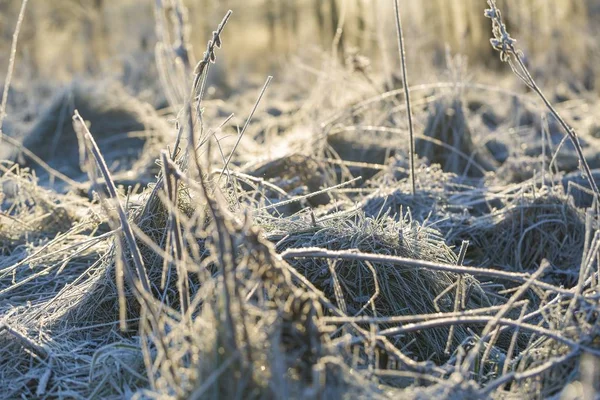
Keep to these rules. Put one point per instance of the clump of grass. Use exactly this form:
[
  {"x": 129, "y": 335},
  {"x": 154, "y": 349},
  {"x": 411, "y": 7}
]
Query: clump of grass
[
  {"x": 265, "y": 331},
  {"x": 294, "y": 175},
  {"x": 33, "y": 214},
  {"x": 518, "y": 169},
  {"x": 82, "y": 269},
  {"x": 127, "y": 130},
  {"x": 528, "y": 230},
  {"x": 392, "y": 195},
  {"x": 55, "y": 254},
  {"x": 443, "y": 201},
  {"x": 275, "y": 348},
  {"x": 378, "y": 289},
  {"x": 448, "y": 124}
]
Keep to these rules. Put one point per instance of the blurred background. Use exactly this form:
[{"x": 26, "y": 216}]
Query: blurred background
[{"x": 63, "y": 39}]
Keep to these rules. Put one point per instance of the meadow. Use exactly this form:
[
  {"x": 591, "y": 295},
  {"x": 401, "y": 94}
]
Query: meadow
[{"x": 307, "y": 199}]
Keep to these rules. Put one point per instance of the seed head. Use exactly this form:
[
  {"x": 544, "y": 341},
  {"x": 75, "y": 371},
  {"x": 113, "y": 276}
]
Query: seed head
[{"x": 502, "y": 41}]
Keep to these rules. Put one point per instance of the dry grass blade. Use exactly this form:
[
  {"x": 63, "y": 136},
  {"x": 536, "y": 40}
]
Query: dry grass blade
[
  {"x": 418, "y": 264},
  {"x": 459, "y": 293},
  {"x": 241, "y": 134},
  {"x": 92, "y": 147},
  {"x": 174, "y": 230},
  {"x": 491, "y": 326},
  {"x": 513, "y": 343}
]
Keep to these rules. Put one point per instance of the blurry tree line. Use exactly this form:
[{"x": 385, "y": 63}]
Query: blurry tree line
[{"x": 65, "y": 37}]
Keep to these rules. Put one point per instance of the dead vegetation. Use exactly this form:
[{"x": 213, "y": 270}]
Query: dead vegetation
[{"x": 326, "y": 265}]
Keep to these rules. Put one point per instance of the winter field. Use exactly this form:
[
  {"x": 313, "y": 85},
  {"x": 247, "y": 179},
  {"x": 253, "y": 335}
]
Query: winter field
[{"x": 306, "y": 199}]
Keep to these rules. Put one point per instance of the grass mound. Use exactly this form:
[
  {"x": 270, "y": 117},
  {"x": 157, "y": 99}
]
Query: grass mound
[
  {"x": 448, "y": 124},
  {"x": 33, "y": 214},
  {"x": 392, "y": 194},
  {"x": 55, "y": 250},
  {"x": 381, "y": 289},
  {"x": 529, "y": 229},
  {"x": 250, "y": 320},
  {"x": 126, "y": 131},
  {"x": 294, "y": 175}
]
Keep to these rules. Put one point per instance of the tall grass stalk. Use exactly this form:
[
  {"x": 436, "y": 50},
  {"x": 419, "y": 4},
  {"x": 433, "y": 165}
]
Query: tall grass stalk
[
  {"x": 136, "y": 255},
  {"x": 11, "y": 63},
  {"x": 406, "y": 94}
]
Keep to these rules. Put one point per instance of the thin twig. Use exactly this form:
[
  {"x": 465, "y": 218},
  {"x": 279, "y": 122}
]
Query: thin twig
[{"x": 420, "y": 264}]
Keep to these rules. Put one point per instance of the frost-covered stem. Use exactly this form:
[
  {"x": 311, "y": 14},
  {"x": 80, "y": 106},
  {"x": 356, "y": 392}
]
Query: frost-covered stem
[
  {"x": 11, "y": 63},
  {"x": 406, "y": 95}
]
